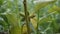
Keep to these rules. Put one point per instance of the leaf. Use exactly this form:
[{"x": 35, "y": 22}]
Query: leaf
[
  {"x": 56, "y": 8},
  {"x": 1, "y": 2},
  {"x": 3, "y": 23},
  {"x": 43, "y": 4},
  {"x": 12, "y": 19}
]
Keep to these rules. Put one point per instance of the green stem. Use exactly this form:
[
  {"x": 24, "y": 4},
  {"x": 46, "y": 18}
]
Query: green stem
[
  {"x": 37, "y": 22},
  {"x": 26, "y": 17}
]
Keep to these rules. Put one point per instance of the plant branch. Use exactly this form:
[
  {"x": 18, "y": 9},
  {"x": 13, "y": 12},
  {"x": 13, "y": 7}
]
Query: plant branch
[{"x": 26, "y": 17}]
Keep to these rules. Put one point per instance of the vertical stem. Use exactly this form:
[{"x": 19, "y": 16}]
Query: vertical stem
[
  {"x": 37, "y": 22},
  {"x": 26, "y": 17}
]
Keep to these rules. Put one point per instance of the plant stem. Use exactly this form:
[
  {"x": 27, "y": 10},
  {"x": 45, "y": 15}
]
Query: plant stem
[
  {"x": 26, "y": 17},
  {"x": 38, "y": 21}
]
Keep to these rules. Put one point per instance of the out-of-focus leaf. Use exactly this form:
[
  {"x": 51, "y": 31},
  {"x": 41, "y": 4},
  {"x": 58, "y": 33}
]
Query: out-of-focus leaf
[
  {"x": 1, "y": 2},
  {"x": 3, "y": 23},
  {"x": 12, "y": 19},
  {"x": 15, "y": 30},
  {"x": 42, "y": 4},
  {"x": 5, "y": 18},
  {"x": 2, "y": 10},
  {"x": 56, "y": 9}
]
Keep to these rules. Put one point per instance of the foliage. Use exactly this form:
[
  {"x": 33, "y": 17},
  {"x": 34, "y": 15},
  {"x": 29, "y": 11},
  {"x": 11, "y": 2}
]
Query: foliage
[{"x": 42, "y": 17}]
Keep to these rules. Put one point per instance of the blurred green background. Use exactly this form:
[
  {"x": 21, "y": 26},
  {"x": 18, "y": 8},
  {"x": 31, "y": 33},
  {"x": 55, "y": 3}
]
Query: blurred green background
[{"x": 44, "y": 16}]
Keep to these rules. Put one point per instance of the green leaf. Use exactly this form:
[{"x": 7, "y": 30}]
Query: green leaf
[
  {"x": 43, "y": 4},
  {"x": 1, "y": 2},
  {"x": 12, "y": 19}
]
